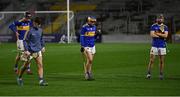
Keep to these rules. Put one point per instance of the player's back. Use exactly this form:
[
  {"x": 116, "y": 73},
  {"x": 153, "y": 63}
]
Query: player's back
[{"x": 34, "y": 39}]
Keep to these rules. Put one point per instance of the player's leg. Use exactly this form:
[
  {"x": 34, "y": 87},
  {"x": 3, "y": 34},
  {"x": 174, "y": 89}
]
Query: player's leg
[
  {"x": 162, "y": 53},
  {"x": 23, "y": 68},
  {"x": 28, "y": 71},
  {"x": 40, "y": 70},
  {"x": 40, "y": 66},
  {"x": 91, "y": 52},
  {"x": 150, "y": 65},
  {"x": 84, "y": 62},
  {"x": 20, "y": 48},
  {"x": 90, "y": 62},
  {"x": 89, "y": 57},
  {"x": 88, "y": 66},
  {"x": 21, "y": 71},
  {"x": 23, "y": 57},
  {"x": 85, "y": 65},
  {"x": 153, "y": 53},
  {"x": 161, "y": 65},
  {"x": 16, "y": 63}
]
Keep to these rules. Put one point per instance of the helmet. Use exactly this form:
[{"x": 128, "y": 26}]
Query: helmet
[{"x": 91, "y": 19}]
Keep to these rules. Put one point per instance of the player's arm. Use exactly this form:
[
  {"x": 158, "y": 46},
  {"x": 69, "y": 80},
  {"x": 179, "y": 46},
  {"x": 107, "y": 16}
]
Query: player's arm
[
  {"x": 13, "y": 26},
  {"x": 153, "y": 31},
  {"x": 82, "y": 37},
  {"x": 14, "y": 29},
  {"x": 25, "y": 42},
  {"x": 31, "y": 24},
  {"x": 164, "y": 35},
  {"x": 153, "y": 34},
  {"x": 42, "y": 44}
]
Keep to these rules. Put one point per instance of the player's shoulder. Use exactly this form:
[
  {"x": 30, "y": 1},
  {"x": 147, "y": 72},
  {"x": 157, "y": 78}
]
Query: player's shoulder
[
  {"x": 165, "y": 25},
  {"x": 36, "y": 29},
  {"x": 153, "y": 25},
  {"x": 94, "y": 26},
  {"x": 21, "y": 20},
  {"x": 18, "y": 21},
  {"x": 40, "y": 29},
  {"x": 85, "y": 25},
  {"x": 31, "y": 29},
  {"x": 30, "y": 21}
]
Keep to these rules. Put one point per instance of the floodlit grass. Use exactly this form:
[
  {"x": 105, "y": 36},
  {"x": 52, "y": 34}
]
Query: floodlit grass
[{"x": 118, "y": 68}]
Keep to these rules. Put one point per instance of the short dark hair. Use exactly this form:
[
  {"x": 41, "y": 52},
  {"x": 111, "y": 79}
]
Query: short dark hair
[
  {"x": 27, "y": 14},
  {"x": 37, "y": 20}
]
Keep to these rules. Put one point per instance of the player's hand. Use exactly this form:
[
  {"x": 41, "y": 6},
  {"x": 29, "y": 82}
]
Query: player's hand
[
  {"x": 43, "y": 50},
  {"x": 27, "y": 53},
  {"x": 82, "y": 49}
]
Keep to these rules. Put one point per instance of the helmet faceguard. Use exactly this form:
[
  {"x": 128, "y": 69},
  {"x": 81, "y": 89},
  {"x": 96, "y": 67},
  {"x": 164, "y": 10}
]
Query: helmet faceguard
[{"x": 91, "y": 20}]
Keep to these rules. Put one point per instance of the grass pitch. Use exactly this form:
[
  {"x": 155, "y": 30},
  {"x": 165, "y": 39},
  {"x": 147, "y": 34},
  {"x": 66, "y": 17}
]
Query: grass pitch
[{"x": 119, "y": 69}]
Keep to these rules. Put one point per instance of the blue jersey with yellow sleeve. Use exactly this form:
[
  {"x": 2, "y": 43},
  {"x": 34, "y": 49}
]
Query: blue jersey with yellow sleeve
[
  {"x": 159, "y": 42},
  {"x": 22, "y": 27},
  {"x": 87, "y": 35}
]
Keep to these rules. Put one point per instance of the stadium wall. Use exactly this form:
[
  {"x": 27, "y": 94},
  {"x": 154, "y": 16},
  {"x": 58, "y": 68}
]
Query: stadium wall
[{"x": 113, "y": 38}]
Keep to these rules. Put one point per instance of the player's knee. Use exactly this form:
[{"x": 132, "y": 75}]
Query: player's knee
[
  {"x": 161, "y": 62},
  {"x": 90, "y": 61},
  {"x": 151, "y": 60}
]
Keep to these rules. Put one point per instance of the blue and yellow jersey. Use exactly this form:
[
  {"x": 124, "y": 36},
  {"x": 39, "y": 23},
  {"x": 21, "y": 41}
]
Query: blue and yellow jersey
[
  {"x": 87, "y": 35},
  {"x": 21, "y": 27},
  {"x": 159, "y": 41}
]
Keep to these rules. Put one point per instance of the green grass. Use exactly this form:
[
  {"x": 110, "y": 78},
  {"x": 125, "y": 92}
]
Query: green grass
[{"x": 119, "y": 69}]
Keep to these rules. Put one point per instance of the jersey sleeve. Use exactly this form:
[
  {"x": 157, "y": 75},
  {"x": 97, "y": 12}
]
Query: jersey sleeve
[
  {"x": 13, "y": 26},
  {"x": 96, "y": 30},
  {"x": 31, "y": 23},
  {"x": 82, "y": 33},
  {"x": 165, "y": 29},
  {"x": 42, "y": 41},
  {"x": 152, "y": 28}
]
